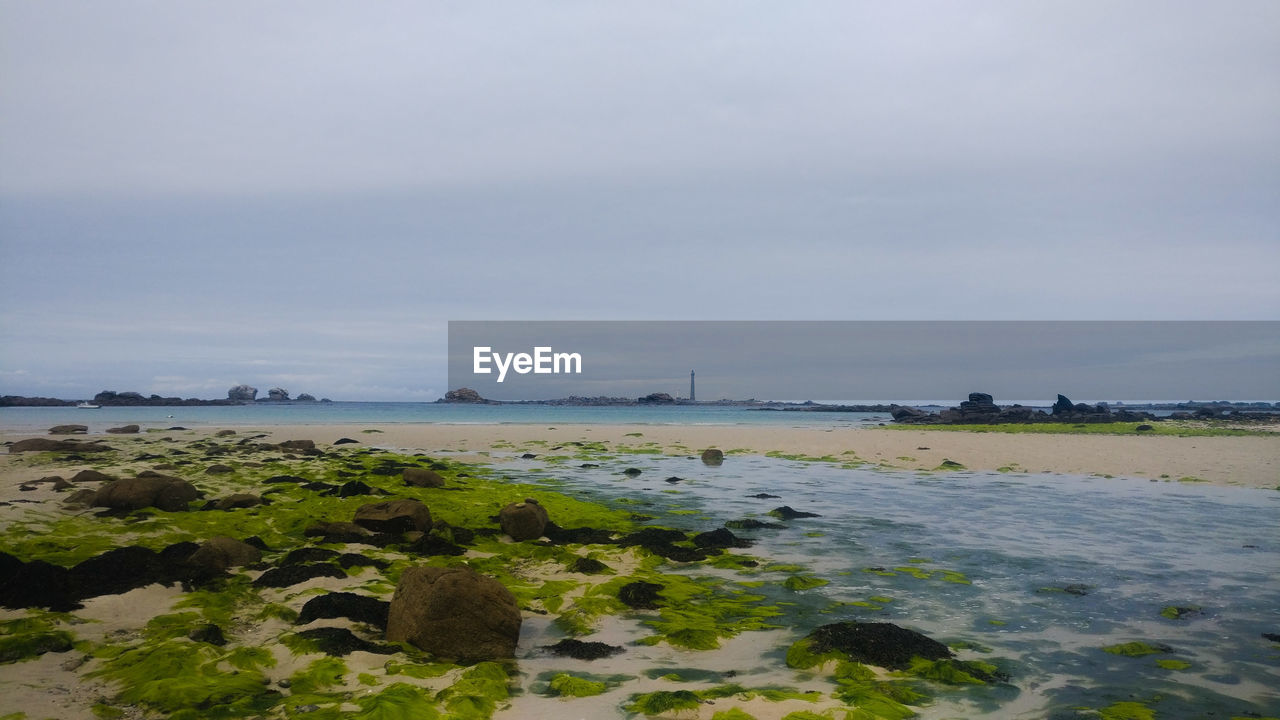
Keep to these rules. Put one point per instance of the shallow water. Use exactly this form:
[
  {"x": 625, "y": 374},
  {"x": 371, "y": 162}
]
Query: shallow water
[{"x": 1135, "y": 546}]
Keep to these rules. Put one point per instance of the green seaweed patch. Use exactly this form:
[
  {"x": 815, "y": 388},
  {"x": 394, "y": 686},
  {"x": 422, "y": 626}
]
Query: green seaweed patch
[
  {"x": 30, "y": 637},
  {"x": 477, "y": 692},
  {"x": 663, "y": 701},
  {"x": 571, "y": 685},
  {"x": 732, "y": 714},
  {"x": 1171, "y": 664},
  {"x": 178, "y": 675},
  {"x": 969, "y": 645},
  {"x": 1126, "y": 711},
  {"x": 1137, "y": 648},
  {"x": 796, "y": 583},
  {"x": 953, "y": 672},
  {"x": 1177, "y": 612},
  {"x": 318, "y": 676},
  {"x": 399, "y": 701},
  {"x": 418, "y": 670}
]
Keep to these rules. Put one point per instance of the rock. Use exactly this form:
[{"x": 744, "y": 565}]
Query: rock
[
  {"x": 293, "y": 574},
  {"x": 221, "y": 552},
  {"x": 305, "y": 555},
  {"x": 430, "y": 546},
  {"x": 277, "y": 394},
  {"x": 588, "y": 566},
  {"x": 81, "y": 497},
  {"x": 338, "y": 532},
  {"x": 904, "y": 414},
  {"x": 297, "y": 445},
  {"x": 787, "y": 513},
  {"x": 231, "y": 502},
  {"x": 227, "y": 433},
  {"x": 124, "y": 430},
  {"x": 764, "y": 496},
  {"x": 68, "y": 429},
  {"x": 47, "y": 445},
  {"x": 658, "y": 398},
  {"x": 523, "y": 520},
  {"x": 38, "y": 584},
  {"x": 1062, "y": 406},
  {"x": 754, "y": 524},
  {"x": 218, "y": 469},
  {"x": 340, "y": 642},
  {"x": 631, "y": 472},
  {"x": 463, "y": 395},
  {"x": 149, "y": 489},
  {"x": 242, "y": 393},
  {"x": 881, "y": 644},
  {"x": 422, "y": 477},
  {"x": 352, "y": 488},
  {"x": 85, "y": 476},
  {"x": 712, "y": 456},
  {"x": 720, "y": 538},
  {"x": 360, "y": 608},
  {"x": 581, "y": 650},
  {"x": 1144, "y": 428},
  {"x": 208, "y": 633},
  {"x": 454, "y": 613},
  {"x": 60, "y": 484},
  {"x": 305, "y": 397},
  {"x": 346, "y": 441},
  {"x": 640, "y": 595},
  {"x": 394, "y": 516}
]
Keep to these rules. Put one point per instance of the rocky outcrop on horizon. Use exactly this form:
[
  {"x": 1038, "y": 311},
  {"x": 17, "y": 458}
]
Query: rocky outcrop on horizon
[
  {"x": 242, "y": 393},
  {"x": 980, "y": 409},
  {"x": 276, "y": 394}
]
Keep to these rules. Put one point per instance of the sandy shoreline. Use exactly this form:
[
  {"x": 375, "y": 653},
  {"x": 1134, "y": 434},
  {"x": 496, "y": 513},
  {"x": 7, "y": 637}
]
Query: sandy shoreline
[{"x": 1234, "y": 461}]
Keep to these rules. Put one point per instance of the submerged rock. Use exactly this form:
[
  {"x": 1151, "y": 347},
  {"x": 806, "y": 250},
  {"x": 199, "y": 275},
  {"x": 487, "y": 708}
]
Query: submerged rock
[
  {"x": 454, "y": 613},
  {"x": 720, "y": 538},
  {"x": 787, "y": 513},
  {"x": 422, "y": 477},
  {"x": 881, "y": 644},
  {"x": 712, "y": 457}
]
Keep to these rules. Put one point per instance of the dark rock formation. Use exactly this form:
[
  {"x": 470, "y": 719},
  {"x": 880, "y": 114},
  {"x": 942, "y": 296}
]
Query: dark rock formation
[
  {"x": 124, "y": 430},
  {"x": 149, "y": 489},
  {"x": 47, "y": 445},
  {"x": 22, "y": 401},
  {"x": 980, "y": 409},
  {"x": 881, "y": 644},
  {"x": 360, "y": 608},
  {"x": 340, "y": 642},
  {"x": 712, "y": 457},
  {"x": 720, "y": 538},
  {"x": 345, "y": 441},
  {"x": 523, "y": 520},
  {"x": 68, "y": 429},
  {"x": 91, "y": 476},
  {"x": 422, "y": 477},
  {"x": 640, "y": 595},
  {"x": 588, "y": 566},
  {"x": 656, "y": 399},
  {"x": 218, "y": 469},
  {"x": 242, "y": 393},
  {"x": 220, "y": 553},
  {"x": 787, "y": 513},
  {"x": 454, "y": 613},
  {"x": 276, "y": 394},
  {"x": 462, "y": 395},
  {"x": 305, "y": 397},
  {"x": 394, "y": 516},
  {"x": 293, "y": 574},
  {"x": 582, "y": 650},
  {"x": 297, "y": 445},
  {"x": 233, "y": 502}
]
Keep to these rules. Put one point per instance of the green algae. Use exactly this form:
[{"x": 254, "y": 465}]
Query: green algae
[
  {"x": 1177, "y": 612},
  {"x": 566, "y": 685},
  {"x": 1169, "y": 664},
  {"x": 477, "y": 692},
  {"x": 177, "y": 675},
  {"x": 1126, "y": 711},
  {"x": 319, "y": 675},
  {"x": 663, "y": 701},
  {"x": 952, "y": 672},
  {"x": 1136, "y": 648},
  {"x": 796, "y": 583},
  {"x": 399, "y": 701},
  {"x": 416, "y": 670},
  {"x": 732, "y": 714}
]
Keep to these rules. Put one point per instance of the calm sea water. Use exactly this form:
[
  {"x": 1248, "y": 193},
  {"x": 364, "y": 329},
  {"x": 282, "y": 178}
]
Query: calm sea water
[
  {"x": 1133, "y": 546},
  {"x": 342, "y": 413}
]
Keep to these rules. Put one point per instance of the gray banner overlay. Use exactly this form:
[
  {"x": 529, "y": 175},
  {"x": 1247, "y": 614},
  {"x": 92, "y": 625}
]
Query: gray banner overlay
[{"x": 868, "y": 361}]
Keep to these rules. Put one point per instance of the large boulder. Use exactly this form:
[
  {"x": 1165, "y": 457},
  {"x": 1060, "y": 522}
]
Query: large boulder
[
  {"x": 523, "y": 520},
  {"x": 394, "y": 516},
  {"x": 1063, "y": 406},
  {"x": 712, "y": 456},
  {"x": 422, "y": 477},
  {"x": 242, "y": 393},
  {"x": 149, "y": 489},
  {"x": 68, "y": 429},
  {"x": 463, "y": 395},
  {"x": 278, "y": 394},
  {"x": 221, "y": 552},
  {"x": 881, "y": 644},
  {"x": 47, "y": 445},
  {"x": 124, "y": 430},
  {"x": 297, "y": 445},
  {"x": 454, "y": 613}
]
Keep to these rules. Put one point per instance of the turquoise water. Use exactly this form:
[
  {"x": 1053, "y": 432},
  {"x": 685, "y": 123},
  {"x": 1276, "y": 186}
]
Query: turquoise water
[
  {"x": 340, "y": 413},
  {"x": 1134, "y": 546}
]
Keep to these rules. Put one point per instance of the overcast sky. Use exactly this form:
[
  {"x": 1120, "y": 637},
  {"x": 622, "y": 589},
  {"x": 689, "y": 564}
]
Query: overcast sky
[{"x": 195, "y": 195}]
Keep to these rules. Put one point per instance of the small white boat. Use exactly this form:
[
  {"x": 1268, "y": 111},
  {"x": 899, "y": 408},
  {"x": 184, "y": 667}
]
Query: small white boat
[{"x": 87, "y": 406}]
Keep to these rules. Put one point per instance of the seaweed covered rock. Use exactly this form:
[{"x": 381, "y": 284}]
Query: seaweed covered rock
[
  {"x": 422, "y": 477},
  {"x": 148, "y": 489},
  {"x": 881, "y": 644},
  {"x": 712, "y": 457},
  {"x": 221, "y": 552},
  {"x": 640, "y": 595},
  {"x": 394, "y": 516},
  {"x": 68, "y": 429},
  {"x": 340, "y": 642},
  {"x": 523, "y": 520},
  {"x": 234, "y": 501},
  {"x": 297, "y": 445},
  {"x": 582, "y": 650},
  {"x": 48, "y": 445},
  {"x": 720, "y": 538},
  {"x": 124, "y": 430},
  {"x": 454, "y": 613},
  {"x": 290, "y": 575}
]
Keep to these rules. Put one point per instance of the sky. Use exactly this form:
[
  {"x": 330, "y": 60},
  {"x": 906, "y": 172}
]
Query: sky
[{"x": 303, "y": 194}]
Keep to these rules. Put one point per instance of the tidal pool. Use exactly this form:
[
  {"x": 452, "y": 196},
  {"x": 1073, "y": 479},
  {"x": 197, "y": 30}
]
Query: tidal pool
[{"x": 1051, "y": 577}]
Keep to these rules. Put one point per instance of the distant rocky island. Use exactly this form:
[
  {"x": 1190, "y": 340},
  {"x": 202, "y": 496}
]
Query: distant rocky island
[
  {"x": 238, "y": 395},
  {"x": 469, "y": 396},
  {"x": 980, "y": 409}
]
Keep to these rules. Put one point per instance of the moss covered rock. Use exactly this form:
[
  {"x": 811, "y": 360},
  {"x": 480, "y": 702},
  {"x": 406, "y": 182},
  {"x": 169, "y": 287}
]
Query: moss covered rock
[{"x": 454, "y": 613}]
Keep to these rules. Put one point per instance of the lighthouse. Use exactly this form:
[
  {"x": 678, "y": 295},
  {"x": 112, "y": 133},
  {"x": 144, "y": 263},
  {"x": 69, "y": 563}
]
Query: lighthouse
[{"x": 692, "y": 396}]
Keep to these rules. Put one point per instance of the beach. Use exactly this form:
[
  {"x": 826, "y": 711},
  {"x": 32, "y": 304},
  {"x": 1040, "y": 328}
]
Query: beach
[{"x": 934, "y": 530}]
